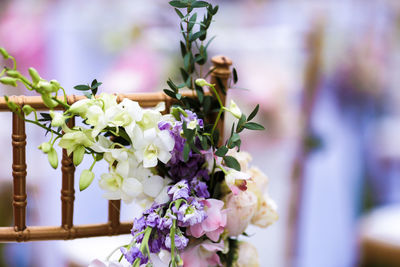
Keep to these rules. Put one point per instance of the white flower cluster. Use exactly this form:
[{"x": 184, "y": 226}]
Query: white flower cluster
[{"x": 131, "y": 169}]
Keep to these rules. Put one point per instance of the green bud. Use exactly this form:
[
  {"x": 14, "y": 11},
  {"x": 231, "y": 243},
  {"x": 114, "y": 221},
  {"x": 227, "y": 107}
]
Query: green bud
[
  {"x": 45, "y": 147},
  {"x": 46, "y": 87},
  {"x": 13, "y": 73},
  {"x": 34, "y": 75},
  {"x": 8, "y": 81},
  {"x": 55, "y": 84},
  {"x": 78, "y": 155},
  {"x": 50, "y": 103},
  {"x": 53, "y": 158},
  {"x": 58, "y": 119},
  {"x": 4, "y": 53},
  {"x": 27, "y": 109},
  {"x": 202, "y": 82},
  {"x": 176, "y": 111},
  {"x": 86, "y": 179},
  {"x": 11, "y": 105}
]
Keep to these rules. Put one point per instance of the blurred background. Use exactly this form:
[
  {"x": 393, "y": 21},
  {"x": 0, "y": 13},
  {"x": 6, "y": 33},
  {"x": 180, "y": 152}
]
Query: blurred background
[{"x": 326, "y": 76}]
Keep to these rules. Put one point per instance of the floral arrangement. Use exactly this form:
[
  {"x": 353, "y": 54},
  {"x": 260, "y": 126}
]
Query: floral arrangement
[{"x": 198, "y": 192}]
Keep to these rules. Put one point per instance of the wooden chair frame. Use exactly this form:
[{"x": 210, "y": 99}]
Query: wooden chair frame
[{"x": 23, "y": 233}]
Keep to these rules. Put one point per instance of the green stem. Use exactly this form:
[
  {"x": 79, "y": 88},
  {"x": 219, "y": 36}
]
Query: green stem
[
  {"x": 44, "y": 127},
  {"x": 14, "y": 62},
  {"x": 65, "y": 105},
  {"x": 215, "y": 124}
]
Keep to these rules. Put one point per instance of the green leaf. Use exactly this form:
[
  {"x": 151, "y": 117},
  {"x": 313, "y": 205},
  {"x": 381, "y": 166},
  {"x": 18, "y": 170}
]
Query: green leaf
[
  {"x": 82, "y": 87},
  {"x": 200, "y": 94},
  {"x": 184, "y": 75},
  {"x": 198, "y": 4},
  {"x": 192, "y": 21},
  {"x": 96, "y": 85},
  {"x": 253, "y": 113},
  {"x": 221, "y": 151},
  {"x": 235, "y": 76},
  {"x": 241, "y": 123},
  {"x": 179, "y": 13},
  {"x": 215, "y": 136},
  {"x": 183, "y": 49},
  {"x": 172, "y": 86},
  {"x": 186, "y": 150},
  {"x": 178, "y": 4},
  {"x": 215, "y": 10},
  {"x": 254, "y": 126},
  {"x": 170, "y": 93},
  {"x": 186, "y": 60},
  {"x": 196, "y": 35},
  {"x": 231, "y": 162},
  {"x": 204, "y": 142}
]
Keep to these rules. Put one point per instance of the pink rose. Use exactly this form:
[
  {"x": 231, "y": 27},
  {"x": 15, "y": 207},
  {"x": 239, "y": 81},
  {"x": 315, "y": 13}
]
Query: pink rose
[
  {"x": 240, "y": 210},
  {"x": 202, "y": 255},
  {"x": 215, "y": 222}
]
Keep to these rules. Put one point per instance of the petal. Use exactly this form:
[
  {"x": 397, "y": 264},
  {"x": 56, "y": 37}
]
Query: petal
[
  {"x": 164, "y": 156},
  {"x": 132, "y": 187},
  {"x": 214, "y": 235},
  {"x": 152, "y": 186},
  {"x": 150, "y": 134},
  {"x": 167, "y": 140},
  {"x": 149, "y": 162}
]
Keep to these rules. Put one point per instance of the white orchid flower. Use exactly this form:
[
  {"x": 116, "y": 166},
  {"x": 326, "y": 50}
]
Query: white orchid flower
[
  {"x": 235, "y": 180},
  {"x": 118, "y": 185},
  {"x": 153, "y": 146}
]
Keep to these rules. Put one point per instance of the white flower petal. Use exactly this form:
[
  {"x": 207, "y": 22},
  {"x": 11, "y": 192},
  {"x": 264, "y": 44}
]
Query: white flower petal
[
  {"x": 164, "y": 156},
  {"x": 150, "y": 134},
  {"x": 132, "y": 187},
  {"x": 152, "y": 186},
  {"x": 167, "y": 140},
  {"x": 149, "y": 162}
]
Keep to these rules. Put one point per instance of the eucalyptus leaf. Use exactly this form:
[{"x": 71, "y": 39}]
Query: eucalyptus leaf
[
  {"x": 221, "y": 151},
  {"x": 178, "y": 4},
  {"x": 231, "y": 162},
  {"x": 254, "y": 126},
  {"x": 253, "y": 113},
  {"x": 198, "y": 4},
  {"x": 82, "y": 87}
]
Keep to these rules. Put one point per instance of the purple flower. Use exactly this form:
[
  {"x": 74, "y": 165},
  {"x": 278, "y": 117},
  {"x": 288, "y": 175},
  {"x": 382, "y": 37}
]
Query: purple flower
[
  {"x": 165, "y": 222},
  {"x": 190, "y": 214},
  {"x": 132, "y": 254},
  {"x": 192, "y": 120},
  {"x": 180, "y": 241},
  {"x": 156, "y": 241},
  {"x": 152, "y": 219},
  {"x": 200, "y": 188},
  {"x": 179, "y": 190}
]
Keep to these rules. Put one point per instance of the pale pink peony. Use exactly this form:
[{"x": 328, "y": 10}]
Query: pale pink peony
[
  {"x": 247, "y": 256},
  {"x": 202, "y": 255},
  {"x": 215, "y": 222}
]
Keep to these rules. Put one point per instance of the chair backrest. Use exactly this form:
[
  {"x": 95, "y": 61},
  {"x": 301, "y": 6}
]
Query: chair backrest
[{"x": 21, "y": 232}]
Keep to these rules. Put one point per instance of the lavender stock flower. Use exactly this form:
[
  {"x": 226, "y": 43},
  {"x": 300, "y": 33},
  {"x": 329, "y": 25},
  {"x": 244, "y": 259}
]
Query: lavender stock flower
[
  {"x": 132, "y": 254},
  {"x": 180, "y": 241},
  {"x": 200, "y": 188},
  {"x": 179, "y": 190}
]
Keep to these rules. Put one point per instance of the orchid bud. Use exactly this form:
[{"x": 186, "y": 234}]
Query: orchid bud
[
  {"x": 235, "y": 110},
  {"x": 202, "y": 82},
  {"x": 79, "y": 107},
  {"x": 58, "y": 119},
  {"x": 27, "y": 109},
  {"x": 13, "y": 73},
  {"x": 53, "y": 158},
  {"x": 50, "y": 103},
  {"x": 78, "y": 155},
  {"x": 34, "y": 75},
  {"x": 46, "y": 87},
  {"x": 86, "y": 179},
  {"x": 4, "y": 53},
  {"x": 8, "y": 81},
  {"x": 11, "y": 105},
  {"x": 45, "y": 147}
]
